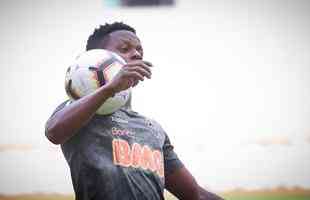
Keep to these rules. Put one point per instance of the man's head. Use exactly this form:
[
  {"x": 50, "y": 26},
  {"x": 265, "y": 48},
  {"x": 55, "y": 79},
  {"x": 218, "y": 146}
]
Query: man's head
[{"x": 119, "y": 38}]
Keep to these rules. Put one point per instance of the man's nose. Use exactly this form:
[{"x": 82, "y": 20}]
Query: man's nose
[{"x": 135, "y": 55}]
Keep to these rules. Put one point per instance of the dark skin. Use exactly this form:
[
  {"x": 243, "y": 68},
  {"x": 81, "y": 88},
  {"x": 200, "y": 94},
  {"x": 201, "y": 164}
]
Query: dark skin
[{"x": 65, "y": 123}]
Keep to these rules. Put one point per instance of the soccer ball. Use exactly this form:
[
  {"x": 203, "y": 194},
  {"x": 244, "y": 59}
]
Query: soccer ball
[{"x": 91, "y": 70}]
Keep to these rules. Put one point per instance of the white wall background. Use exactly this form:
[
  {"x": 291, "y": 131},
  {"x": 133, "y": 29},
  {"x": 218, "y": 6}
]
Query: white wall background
[{"x": 230, "y": 86}]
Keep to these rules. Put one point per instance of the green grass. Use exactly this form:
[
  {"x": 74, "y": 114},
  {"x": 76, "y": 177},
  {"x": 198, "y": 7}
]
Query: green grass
[
  {"x": 279, "y": 193},
  {"x": 272, "y": 197}
]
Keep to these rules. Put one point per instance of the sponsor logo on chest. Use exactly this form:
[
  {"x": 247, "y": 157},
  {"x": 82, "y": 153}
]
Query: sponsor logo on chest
[
  {"x": 137, "y": 156},
  {"x": 121, "y": 132}
]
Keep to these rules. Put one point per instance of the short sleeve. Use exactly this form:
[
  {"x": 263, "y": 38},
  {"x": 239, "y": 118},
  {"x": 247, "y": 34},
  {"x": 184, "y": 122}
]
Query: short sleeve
[
  {"x": 171, "y": 160},
  {"x": 61, "y": 106}
]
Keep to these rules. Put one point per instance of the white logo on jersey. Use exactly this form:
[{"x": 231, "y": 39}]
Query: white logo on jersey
[{"x": 119, "y": 120}]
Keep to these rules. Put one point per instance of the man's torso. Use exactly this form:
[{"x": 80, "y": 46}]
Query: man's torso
[{"x": 118, "y": 156}]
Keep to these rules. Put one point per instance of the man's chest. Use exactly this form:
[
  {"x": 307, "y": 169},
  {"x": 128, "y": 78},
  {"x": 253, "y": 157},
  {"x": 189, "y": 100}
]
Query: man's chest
[
  {"x": 132, "y": 130},
  {"x": 133, "y": 143}
]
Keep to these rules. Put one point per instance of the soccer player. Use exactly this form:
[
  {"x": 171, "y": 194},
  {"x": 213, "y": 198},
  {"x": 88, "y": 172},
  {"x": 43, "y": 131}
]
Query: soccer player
[{"x": 122, "y": 156}]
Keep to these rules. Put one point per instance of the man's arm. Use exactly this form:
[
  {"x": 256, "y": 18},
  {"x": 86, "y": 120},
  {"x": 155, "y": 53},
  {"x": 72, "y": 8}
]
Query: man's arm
[
  {"x": 66, "y": 122},
  {"x": 184, "y": 186}
]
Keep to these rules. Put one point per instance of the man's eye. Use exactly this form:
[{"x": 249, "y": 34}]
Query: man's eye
[{"x": 124, "y": 49}]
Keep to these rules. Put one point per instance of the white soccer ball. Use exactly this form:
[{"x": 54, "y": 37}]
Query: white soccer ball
[{"x": 91, "y": 70}]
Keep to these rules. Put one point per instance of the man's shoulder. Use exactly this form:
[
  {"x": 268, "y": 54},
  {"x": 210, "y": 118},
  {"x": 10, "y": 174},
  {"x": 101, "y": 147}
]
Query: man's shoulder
[
  {"x": 62, "y": 105},
  {"x": 151, "y": 122}
]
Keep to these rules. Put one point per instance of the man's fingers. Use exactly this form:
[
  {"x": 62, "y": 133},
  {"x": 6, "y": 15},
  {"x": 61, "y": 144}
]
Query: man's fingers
[
  {"x": 136, "y": 71},
  {"x": 148, "y": 63},
  {"x": 144, "y": 64},
  {"x": 138, "y": 62},
  {"x": 140, "y": 70},
  {"x": 135, "y": 75}
]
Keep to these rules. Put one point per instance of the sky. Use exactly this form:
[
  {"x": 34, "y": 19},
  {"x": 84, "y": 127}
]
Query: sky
[{"x": 231, "y": 87}]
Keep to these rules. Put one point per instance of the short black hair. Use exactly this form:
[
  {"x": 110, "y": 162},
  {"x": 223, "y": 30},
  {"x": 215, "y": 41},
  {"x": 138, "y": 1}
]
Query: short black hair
[{"x": 104, "y": 30}]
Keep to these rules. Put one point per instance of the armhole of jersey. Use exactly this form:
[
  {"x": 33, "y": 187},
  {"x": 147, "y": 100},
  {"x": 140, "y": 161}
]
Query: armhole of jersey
[{"x": 68, "y": 102}]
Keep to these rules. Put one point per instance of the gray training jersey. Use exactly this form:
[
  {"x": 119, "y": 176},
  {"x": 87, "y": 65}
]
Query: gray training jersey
[{"x": 122, "y": 156}]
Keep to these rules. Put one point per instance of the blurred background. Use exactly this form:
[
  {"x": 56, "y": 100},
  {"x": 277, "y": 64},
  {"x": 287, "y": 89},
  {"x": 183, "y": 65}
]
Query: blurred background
[{"x": 231, "y": 87}]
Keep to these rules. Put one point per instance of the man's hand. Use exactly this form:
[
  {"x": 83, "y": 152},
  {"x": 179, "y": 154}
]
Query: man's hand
[
  {"x": 67, "y": 121},
  {"x": 130, "y": 75}
]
